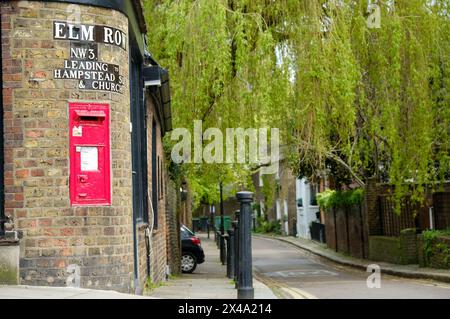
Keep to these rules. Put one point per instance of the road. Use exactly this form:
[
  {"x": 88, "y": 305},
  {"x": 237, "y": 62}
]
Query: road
[{"x": 294, "y": 273}]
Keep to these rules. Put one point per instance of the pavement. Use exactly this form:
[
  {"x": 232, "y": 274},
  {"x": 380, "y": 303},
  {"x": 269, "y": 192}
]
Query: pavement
[
  {"x": 294, "y": 273},
  {"x": 407, "y": 271},
  {"x": 36, "y": 292},
  {"x": 208, "y": 281}
]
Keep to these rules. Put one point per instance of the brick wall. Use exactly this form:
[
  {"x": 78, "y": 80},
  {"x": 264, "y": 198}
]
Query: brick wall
[
  {"x": 396, "y": 250},
  {"x": 371, "y": 211},
  {"x": 330, "y": 229},
  {"x": 441, "y": 204},
  {"x": 344, "y": 231},
  {"x": 158, "y": 242},
  {"x": 408, "y": 244},
  {"x": 383, "y": 248},
  {"x": 341, "y": 230},
  {"x": 186, "y": 209},
  {"x": 98, "y": 239},
  {"x": 439, "y": 254},
  {"x": 173, "y": 228}
]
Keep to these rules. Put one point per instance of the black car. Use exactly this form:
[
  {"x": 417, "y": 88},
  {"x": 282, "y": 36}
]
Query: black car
[{"x": 191, "y": 250}]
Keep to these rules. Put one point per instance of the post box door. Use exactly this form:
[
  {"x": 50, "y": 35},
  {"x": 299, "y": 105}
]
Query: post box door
[{"x": 89, "y": 154}]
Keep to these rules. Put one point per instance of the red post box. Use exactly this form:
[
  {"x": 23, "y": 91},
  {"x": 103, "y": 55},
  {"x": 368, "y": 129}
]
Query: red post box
[{"x": 90, "y": 171}]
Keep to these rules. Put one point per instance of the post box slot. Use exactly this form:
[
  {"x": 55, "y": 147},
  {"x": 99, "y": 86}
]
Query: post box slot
[
  {"x": 90, "y": 119},
  {"x": 90, "y": 116}
]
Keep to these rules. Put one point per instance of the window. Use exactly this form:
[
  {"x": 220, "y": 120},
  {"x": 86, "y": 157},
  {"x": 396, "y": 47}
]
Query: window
[
  {"x": 313, "y": 194},
  {"x": 159, "y": 178},
  {"x": 162, "y": 178}
]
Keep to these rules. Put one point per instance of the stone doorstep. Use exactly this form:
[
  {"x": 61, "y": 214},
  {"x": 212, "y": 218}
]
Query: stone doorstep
[
  {"x": 9, "y": 262},
  {"x": 10, "y": 238},
  {"x": 391, "y": 269},
  {"x": 9, "y": 242}
]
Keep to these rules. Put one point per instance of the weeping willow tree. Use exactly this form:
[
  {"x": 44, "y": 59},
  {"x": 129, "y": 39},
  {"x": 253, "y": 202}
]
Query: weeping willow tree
[
  {"x": 373, "y": 102},
  {"x": 223, "y": 67},
  {"x": 352, "y": 101}
]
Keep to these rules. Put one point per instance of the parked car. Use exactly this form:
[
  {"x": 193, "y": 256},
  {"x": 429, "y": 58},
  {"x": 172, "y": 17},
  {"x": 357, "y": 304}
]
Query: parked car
[{"x": 191, "y": 250}]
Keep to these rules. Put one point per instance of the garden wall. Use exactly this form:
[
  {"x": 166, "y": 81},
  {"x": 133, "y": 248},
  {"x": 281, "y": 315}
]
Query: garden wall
[
  {"x": 396, "y": 250},
  {"x": 345, "y": 231},
  {"x": 435, "y": 254}
]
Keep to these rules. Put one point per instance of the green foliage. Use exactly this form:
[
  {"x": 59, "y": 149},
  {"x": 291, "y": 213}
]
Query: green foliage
[
  {"x": 431, "y": 247},
  {"x": 256, "y": 207},
  {"x": 381, "y": 116},
  {"x": 268, "y": 227},
  {"x": 268, "y": 189},
  {"x": 351, "y": 102},
  {"x": 150, "y": 285},
  {"x": 332, "y": 198}
]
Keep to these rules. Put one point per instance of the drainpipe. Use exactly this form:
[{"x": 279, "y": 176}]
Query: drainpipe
[
  {"x": 2, "y": 162},
  {"x": 137, "y": 289}
]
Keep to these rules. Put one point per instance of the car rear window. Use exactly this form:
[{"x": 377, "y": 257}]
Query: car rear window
[{"x": 186, "y": 232}]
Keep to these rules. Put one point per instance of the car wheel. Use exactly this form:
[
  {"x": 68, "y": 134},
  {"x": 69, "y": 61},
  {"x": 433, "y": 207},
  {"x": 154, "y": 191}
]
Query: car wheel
[{"x": 188, "y": 263}]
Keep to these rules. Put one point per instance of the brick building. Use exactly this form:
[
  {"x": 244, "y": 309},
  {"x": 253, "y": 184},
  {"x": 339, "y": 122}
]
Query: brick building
[
  {"x": 85, "y": 107},
  {"x": 281, "y": 206}
]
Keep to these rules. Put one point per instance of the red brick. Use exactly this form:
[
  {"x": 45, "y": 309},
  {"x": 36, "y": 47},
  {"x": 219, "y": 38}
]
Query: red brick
[
  {"x": 67, "y": 231},
  {"x": 7, "y": 100},
  {"x": 30, "y": 163},
  {"x": 51, "y": 232},
  {"x": 21, "y": 214},
  {"x": 47, "y": 44},
  {"x": 10, "y": 204},
  {"x": 46, "y": 222},
  {"x": 39, "y": 75},
  {"x": 7, "y": 62},
  {"x": 12, "y": 77},
  {"x": 6, "y": 26},
  {"x": 22, "y": 173},
  {"x": 7, "y": 91},
  {"x": 37, "y": 172},
  {"x": 62, "y": 263},
  {"x": 66, "y": 252},
  {"x": 28, "y": 64},
  {"x": 34, "y": 133}
]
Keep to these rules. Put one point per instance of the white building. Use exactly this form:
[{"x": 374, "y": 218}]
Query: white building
[{"x": 307, "y": 207}]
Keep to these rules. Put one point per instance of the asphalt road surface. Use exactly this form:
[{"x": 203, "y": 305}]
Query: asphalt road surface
[{"x": 294, "y": 273}]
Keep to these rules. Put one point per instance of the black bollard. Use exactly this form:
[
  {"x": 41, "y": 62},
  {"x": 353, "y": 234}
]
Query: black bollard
[
  {"x": 223, "y": 249},
  {"x": 223, "y": 253},
  {"x": 236, "y": 249},
  {"x": 245, "y": 289},
  {"x": 230, "y": 254},
  {"x": 218, "y": 239}
]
